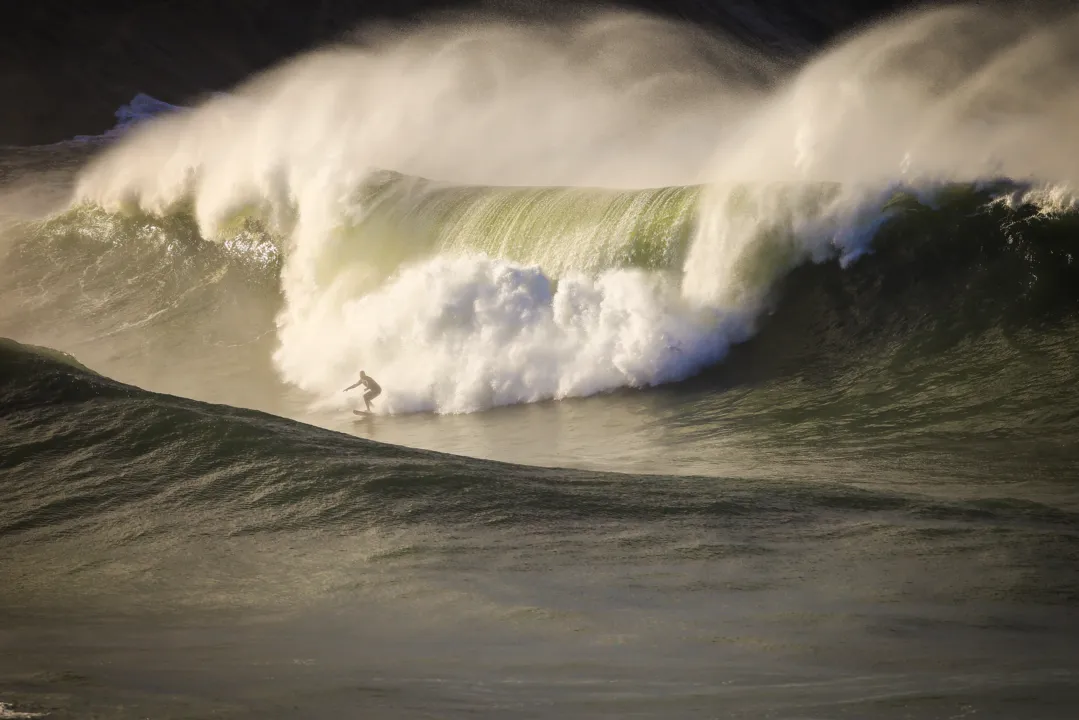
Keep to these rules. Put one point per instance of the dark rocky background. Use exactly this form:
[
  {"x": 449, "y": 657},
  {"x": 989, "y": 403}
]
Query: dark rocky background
[{"x": 65, "y": 65}]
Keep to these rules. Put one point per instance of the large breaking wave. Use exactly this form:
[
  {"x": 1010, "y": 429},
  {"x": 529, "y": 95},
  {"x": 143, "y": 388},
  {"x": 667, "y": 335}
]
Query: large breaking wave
[{"x": 458, "y": 210}]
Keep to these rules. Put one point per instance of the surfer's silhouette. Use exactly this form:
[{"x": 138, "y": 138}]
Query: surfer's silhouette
[{"x": 373, "y": 389}]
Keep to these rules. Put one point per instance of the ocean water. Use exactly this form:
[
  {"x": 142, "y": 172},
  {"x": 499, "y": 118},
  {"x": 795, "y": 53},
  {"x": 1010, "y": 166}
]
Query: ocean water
[{"x": 713, "y": 387}]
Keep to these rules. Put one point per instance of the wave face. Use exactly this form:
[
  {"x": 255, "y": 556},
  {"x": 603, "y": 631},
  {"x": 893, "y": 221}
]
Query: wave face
[
  {"x": 560, "y": 229},
  {"x": 458, "y": 210}
]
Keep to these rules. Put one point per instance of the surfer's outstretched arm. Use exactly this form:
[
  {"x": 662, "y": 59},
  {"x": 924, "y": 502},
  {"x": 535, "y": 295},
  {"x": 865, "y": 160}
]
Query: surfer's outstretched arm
[{"x": 356, "y": 384}]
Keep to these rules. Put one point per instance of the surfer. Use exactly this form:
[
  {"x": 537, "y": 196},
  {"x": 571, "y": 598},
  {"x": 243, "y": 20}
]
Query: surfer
[{"x": 373, "y": 388}]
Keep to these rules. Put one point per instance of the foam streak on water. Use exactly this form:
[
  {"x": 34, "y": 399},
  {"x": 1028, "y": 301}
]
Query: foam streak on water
[{"x": 6, "y": 713}]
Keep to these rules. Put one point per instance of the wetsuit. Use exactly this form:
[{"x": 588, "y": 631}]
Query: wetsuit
[{"x": 373, "y": 389}]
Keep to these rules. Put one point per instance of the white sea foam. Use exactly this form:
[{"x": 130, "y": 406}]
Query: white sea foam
[
  {"x": 6, "y": 713},
  {"x": 463, "y": 333}
]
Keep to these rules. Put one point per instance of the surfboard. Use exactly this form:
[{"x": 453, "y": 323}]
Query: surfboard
[{"x": 361, "y": 412}]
